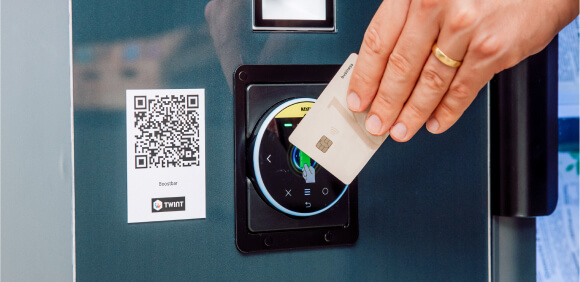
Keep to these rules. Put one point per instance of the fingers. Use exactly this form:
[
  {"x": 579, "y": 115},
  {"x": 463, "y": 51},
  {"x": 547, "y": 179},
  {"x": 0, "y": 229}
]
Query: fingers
[
  {"x": 461, "y": 93},
  {"x": 435, "y": 78},
  {"x": 378, "y": 43},
  {"x": 484, "y": 57},
  {"x": 403, "y": 68},
  {"x": 408, "y": 86},
  {"x": 432, "y": 85}
]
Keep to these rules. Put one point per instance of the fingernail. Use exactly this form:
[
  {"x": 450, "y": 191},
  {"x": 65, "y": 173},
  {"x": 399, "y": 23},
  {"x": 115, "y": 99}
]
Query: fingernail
[
  {"x": 373, "y": 124},
  {"x": 432, "y": 125},
  {"x": 399, "y": 131},
  {"x": 353, "y": 101}
]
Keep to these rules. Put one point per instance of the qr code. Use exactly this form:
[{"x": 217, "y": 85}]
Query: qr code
[{"x": 168, "y": 131}]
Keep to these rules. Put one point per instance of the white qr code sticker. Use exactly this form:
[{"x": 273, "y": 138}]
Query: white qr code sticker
[{"x": 165, "y": 154}]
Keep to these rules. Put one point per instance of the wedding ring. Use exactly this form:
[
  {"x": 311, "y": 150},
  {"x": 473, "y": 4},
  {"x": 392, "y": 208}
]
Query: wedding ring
[{"x": 443, "y": 58}]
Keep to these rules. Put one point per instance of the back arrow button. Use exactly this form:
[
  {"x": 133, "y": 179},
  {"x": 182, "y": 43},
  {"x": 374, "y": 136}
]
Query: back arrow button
[{"x": 268, "y": 158}]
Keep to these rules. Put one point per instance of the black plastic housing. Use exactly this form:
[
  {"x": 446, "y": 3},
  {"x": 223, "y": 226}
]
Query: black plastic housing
[
  {"x": 524, "y": 136},
  {"x": 259, "y": 227}
]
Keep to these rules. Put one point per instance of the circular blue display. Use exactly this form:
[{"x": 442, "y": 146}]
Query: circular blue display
[{"x": 290, "y": 180}]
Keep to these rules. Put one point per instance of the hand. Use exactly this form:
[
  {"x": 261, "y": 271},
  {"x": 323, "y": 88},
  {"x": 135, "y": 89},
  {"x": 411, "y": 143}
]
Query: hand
[
  {"x": 308, "y": 174},
  {"x": 406, "y": 85}
]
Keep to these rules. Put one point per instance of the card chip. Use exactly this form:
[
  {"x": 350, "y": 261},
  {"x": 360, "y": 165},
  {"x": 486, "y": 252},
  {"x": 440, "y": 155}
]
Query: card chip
[{"x": 323, "y": 144}]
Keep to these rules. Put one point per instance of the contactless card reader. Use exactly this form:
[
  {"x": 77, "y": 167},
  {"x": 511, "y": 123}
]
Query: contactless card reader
[
  {"x": 284, "y": 198},
  {"x": 288, "y": 178}
]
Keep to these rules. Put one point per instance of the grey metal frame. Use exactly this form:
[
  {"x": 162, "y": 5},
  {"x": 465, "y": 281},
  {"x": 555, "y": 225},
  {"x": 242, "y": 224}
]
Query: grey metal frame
[{"x": 37, "y": 230}]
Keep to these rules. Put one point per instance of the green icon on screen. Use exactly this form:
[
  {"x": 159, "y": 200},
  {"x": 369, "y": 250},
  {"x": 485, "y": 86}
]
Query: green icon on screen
[{"x": 304, "y": 159}]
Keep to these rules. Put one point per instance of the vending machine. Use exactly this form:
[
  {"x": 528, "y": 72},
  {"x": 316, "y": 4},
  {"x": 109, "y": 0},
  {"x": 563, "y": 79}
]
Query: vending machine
[{"x": 184, "y": 171}]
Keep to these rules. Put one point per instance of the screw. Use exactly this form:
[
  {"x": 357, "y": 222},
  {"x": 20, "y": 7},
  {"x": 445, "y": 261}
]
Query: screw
[
  {"x": 328, "y": 236},
  {"x": 243, "y": 76},
  {"x": 268, "y": 241}
]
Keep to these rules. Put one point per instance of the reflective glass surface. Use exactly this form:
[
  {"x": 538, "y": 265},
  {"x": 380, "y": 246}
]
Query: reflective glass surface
[{"x": 423, "y": 210}]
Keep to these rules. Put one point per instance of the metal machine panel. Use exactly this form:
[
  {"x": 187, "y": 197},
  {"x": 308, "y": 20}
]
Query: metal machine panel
[{"x": 422, "y": 205}]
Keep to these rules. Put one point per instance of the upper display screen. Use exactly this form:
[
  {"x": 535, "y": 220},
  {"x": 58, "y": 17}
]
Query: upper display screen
[
  {"x": 294, "y": 15},
  {"x": 294, "y": 10}
]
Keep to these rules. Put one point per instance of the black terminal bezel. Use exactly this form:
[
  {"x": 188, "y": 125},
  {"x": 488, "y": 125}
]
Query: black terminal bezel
[
  {"x": 260, "y": 24},
  {"x": 248, "y": 241}
]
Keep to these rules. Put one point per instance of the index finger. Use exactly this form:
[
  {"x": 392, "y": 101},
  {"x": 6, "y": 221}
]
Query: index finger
[{"x": 378, "y": 43}]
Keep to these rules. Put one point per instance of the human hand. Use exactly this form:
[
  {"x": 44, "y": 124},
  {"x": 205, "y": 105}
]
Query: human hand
[
  {"x": 405, "y": 85},
  {"x": 308, "y": 174}
]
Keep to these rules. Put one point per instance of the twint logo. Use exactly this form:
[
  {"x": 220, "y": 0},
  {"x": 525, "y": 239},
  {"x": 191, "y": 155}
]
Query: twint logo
[{"x": 167, "y": 204}]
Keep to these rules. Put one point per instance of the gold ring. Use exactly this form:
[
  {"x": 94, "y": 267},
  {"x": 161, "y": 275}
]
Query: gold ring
[{"x": 443, "y": 58}]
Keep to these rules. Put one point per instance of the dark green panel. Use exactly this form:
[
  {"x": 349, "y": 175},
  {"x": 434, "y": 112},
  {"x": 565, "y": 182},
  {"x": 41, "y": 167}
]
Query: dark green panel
[{"x": 422, "y": 204}]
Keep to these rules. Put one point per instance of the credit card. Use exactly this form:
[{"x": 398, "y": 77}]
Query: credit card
[{"x": 332, "y": 135}]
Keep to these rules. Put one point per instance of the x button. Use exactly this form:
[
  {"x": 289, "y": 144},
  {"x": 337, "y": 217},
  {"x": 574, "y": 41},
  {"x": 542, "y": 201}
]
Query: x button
[{"x": 288, "y": 193}]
